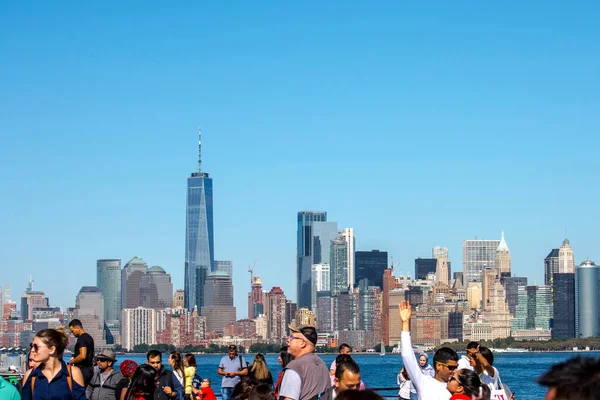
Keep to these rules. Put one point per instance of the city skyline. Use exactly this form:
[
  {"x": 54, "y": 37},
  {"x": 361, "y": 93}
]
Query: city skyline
[{"x": 416, "y": 126}]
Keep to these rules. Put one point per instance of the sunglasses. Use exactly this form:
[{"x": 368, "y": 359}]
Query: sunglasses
[
  {"x": 452, "y": 378},
  {"x": 450, "y": 367},
  {"x": 36, "y": 347}
]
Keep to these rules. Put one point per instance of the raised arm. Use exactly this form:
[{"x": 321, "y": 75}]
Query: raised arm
[{"x": 408, "y": 355}]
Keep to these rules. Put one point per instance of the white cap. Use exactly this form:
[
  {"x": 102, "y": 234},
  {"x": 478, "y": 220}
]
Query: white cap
[{"x": 12, "y": 367}]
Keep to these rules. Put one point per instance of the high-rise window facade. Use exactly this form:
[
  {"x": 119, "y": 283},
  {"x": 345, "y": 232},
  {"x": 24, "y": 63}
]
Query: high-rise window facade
[
  {"x": 370, "y": 266},
  {"x": 305, "y": 254},
  {"x": 477, "y": 255},
  {"x": 550, "y": 266},
  {"x": 199, "y": 239},
  {"x": 425, "y": 266},
  {"x": 339, "y": 266},
  {"x": 587, "y": 277},
  {"x": 108, "y": 281},
  {"x": 563, "y": 292}
]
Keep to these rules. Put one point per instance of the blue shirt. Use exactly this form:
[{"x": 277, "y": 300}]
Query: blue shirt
[
  {"x": 232, "y": 365},
  {"x": 56, "y": 389}
]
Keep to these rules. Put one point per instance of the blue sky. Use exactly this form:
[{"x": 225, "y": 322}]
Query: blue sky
[{"x": 415, "y": 125}]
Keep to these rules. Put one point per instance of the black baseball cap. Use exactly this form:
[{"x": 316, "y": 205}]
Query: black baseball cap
[
  {"x": 232, "y": 347},
  {"x": 309, "y": 332}
]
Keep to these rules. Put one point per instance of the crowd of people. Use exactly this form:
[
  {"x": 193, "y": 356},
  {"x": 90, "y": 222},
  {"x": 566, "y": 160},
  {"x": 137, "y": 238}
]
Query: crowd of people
[{"x": 303, "y": 375}]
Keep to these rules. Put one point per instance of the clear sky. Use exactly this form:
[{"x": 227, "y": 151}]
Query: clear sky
[{"x": 418, "y": 126}]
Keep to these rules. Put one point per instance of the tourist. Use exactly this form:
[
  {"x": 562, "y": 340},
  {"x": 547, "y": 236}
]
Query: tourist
[
  {"x": 483, "y": 360},
  {"x": 306, "y": 375},
  {"x": 206, "y": 392},
  {"x": 176, "y": 364},
  {"x": 104, "y": 383},
  {"x": 8, "y": 391},
  {"x": 465, "y": 384},
  {"x": 53, "y": 378},
  {"x": 231, "y": 367},
  {"x": 83, "y": 355},
  {"x": 344, "y": 348},
  {"x": 404, "y": 383},
  {"x": 284, "y": 359},
  {"x": 465, "y": 361},
  {"x": 242, "y": 389},
  {"x": 426, "y": 369},
  {"x": 165, "y": 389},
  {"x": 576, "y": 378},
  {"x": 192, "y": 379},
  {"x": 347, "y": 377},
  {"x": 445, "y": 362},
  {"x": 143, "y": 386},
  {"x": 259, "y": 370},
  {"x": 262, "y": 391},
  {"x": 127, "y": 368}
]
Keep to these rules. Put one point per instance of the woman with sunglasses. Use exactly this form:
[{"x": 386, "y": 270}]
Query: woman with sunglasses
[
  {"x": 52, "y": 379},
  {"x": 465, "y": 384}
]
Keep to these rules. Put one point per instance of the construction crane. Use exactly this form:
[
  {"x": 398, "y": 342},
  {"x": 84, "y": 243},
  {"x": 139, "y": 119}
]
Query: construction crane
[
  {"x": 251, "y": 270},
  {"x": 394, "y": 266}
]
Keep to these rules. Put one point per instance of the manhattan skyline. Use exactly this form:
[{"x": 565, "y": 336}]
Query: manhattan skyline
[{"x": 416, "y": 127}]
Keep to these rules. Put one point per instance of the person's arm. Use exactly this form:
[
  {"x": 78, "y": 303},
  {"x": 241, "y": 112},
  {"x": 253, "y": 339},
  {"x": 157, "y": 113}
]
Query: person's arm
[
  {"x": 484, "y": 363},
  {"x": 291, "y": 386},
  {"x": 77, "y": 375},
  {"x": 408, "y": 355},
  {"x": 80, "y": 357},
  {"x": 89, "y": 390}
]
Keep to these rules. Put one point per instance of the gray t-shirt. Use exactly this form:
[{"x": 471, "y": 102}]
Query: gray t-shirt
[{"x": 232, "y": 365}]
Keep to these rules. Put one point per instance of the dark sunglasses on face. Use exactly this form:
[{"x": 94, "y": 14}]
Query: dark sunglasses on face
[
  {"x": 36, "y": 347},
  {"x": 450, "y": 367}
]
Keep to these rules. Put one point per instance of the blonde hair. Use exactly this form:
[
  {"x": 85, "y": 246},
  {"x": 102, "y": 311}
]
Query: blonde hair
[{"x": 259, "y": 368}]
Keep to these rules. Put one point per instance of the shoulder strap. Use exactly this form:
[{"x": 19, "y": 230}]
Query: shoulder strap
[
  {"x": 499, "y": 386},
  {"x": 240, "y": 357},
  {"x": 70, "y": 380},
  {"x": 32, "y": 385}
]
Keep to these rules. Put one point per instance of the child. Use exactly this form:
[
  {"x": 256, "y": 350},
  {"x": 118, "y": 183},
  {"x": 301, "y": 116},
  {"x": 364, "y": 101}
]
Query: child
[{"x": 206, "y": 392}]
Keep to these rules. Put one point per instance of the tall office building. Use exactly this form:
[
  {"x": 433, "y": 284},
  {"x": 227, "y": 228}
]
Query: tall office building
[
  {"x": 566, "y": 258},
  {"x": 108, "y": 281},
  {"x": 320, "y": 282},
  {"x": 138, "y": 326},
  {"x": 534, "y": 308},
  {"x": 323, "y": 233},
  {"x": 179, "y": 299},
  {"x": 218, "y": 302},
  {"x": 511, "y": 286},
  {"x": 224, "y": 266},
  {"x": 439, "y": 252},
  {"x": 30, "y": 299},
  {"x": 477, "y": 255},
  {"x": 89, "y": 309},
  {"x": 563, "y": 291},
  {"x": 425, "y": 266},
  {"x": 257, "y": 298},
  {"x": 199, "y": 239},
  {"x": 338, "y": 266},
  {"x": 277, "y": 313},
  {"x": 370, "y": 265},
  {"x": 131, "y": 278},
  {"x": 348, "y": 235},
  {"x": 502, "y": 258},
  {"x": 305, "y": 254},
  {"x": 550, "y": 266},
  {"x": 587, "y": 300},
  {"x": 156, "y": 289}
]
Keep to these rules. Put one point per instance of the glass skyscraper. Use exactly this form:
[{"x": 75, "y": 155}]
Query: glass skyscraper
[
  {"x": 199, "y": 240},
  {"x": 370, "y": 266},
  {"x": 305, "y": 254},
  {"x": 477, "y": 255},
  {"x": 587, "y": 299},
  {"x": 108, "y": 281},
  {"x": 563, "y": 291}
]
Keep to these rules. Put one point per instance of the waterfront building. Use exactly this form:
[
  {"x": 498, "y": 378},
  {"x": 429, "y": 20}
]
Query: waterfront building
[
  {"x": 138, "y": 326},
  {"x": 304, "y": 317},
  {"x": 262, "y": 326},
  {"x": 396, "y": 296},
  {"x": 224, "y": 266},
  {"x": 257, "y": 298},
  {"x": 477, "y": 255},
  {"x": 89, "y": 309},
  {"x": 550, "y": 266},
  {"x": 511, "y": 286},
  {"x": 290, "y": 311},
  {"x": 347, "y": 311},
  {"x": 29, "y": 300},
  {"x": 357, "y": 339},
  {"x": 587, "y": 300},
  {"x": 424, "y": 267},
  {"x": 427, "y": 328},
  {"x": 389, "y": 283},
  {"x": 370, "y": 311},
  {"x": 477, "y": 331},
  {"x": 348, "y": 235},
  {"x": 156, "y": 288},
  {"x": 338, "y": 266},
  {"x": 320, "y": 281},
  {"x": 277, "y": 313},
  {"x": 179, "y": 299},
  {"x": 131, "y": 278},
  {"x": 370, "y": 265},
  {"x": 218, "y": 302},
  {"x": 563, "y": 292},
  {"x": 503, "y": 258},
  {"x": 455, "y": 325},
  {"x": 324, "y": 312},
  {"x": 108, "y": 281},
  {"x": 534, "y": 308},
  {"x": 305, "y": 254},
  {"x": 566, "y": 258},
  {"x": 199, "y": 239}
]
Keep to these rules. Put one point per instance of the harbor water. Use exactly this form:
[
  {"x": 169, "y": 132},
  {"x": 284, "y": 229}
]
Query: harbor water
[{"x": 518, "y": 370}]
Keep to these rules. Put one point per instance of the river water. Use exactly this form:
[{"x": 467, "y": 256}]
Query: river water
[{"x": 518, "y": 370}]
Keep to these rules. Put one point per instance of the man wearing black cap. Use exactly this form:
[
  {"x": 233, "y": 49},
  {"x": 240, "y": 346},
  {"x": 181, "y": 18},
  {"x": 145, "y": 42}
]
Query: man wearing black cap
[
  {"x": 231, "y": 367},
  {"x": 104, "y": 382},
  {"x": 306, "y": 376}
]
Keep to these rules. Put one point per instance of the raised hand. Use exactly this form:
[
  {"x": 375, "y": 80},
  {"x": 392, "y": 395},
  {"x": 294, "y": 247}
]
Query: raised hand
[{"x": 405, "y": 311}]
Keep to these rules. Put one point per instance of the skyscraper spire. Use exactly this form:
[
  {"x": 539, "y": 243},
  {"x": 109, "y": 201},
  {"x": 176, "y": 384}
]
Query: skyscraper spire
[{"x": 199, "y": 150}]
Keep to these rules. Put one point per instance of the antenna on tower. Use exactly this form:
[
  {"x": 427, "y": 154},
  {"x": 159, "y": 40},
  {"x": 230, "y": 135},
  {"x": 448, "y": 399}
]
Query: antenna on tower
[{"x": 199, "y": 150}]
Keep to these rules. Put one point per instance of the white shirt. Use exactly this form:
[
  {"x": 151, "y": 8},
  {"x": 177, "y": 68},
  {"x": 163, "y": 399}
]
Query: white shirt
[
  {"x": 486, "y": 379},
  {"x": 428, "y": 388},
  {"x": 465, "y": 363}
]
